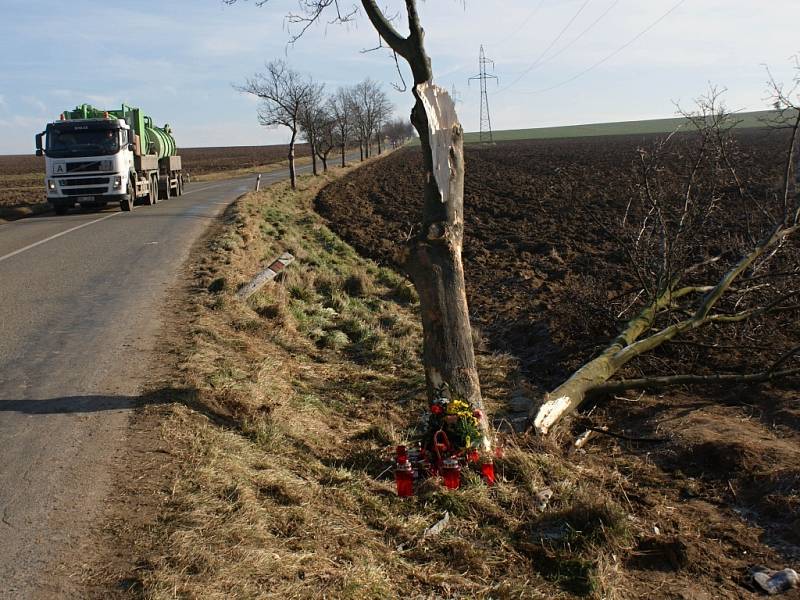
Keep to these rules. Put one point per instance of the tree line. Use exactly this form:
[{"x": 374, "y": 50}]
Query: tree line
[{"x": 359, "y": 114}]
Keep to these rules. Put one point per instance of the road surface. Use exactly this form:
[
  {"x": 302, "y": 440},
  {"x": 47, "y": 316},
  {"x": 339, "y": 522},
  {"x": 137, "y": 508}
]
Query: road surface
[{"x": 80, "y": 297}]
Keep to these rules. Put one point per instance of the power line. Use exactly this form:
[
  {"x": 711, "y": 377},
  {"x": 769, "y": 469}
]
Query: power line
[
  {"x": 581, "y": 34},
  {"x": 571, "y": 43},
  {"x": 608, "y": 57},
  {"x": 522, "y": 25},
  {"x": 553, "y": 43}
]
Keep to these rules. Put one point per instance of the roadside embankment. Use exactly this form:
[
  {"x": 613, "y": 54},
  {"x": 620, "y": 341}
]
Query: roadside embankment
[{"x": 282, "y": 435}]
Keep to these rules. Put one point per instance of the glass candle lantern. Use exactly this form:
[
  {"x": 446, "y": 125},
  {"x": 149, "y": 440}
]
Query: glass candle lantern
[
  {"x": 451, "y": 473},
  {"x": 404, "y": 479},
  {"x": 402, "y": 454},
  {"x": 487, "y": 471}
]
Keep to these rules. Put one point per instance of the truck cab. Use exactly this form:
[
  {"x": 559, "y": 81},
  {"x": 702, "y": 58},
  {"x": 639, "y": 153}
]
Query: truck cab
[
  {"x": 94, "y": 157},
  {"x": 87, "y": 162}
]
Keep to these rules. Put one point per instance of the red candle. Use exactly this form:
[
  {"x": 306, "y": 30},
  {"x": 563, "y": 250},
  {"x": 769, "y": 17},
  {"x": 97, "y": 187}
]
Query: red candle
[
  {"x": 402, "y": 454},
  {"x": 487, "y": 471},
  {"x": 404, "y": 479},
  {"x": 451, "y": 473}
]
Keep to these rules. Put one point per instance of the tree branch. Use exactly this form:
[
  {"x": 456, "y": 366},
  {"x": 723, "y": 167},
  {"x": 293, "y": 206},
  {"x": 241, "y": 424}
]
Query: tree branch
[
  {"x": 613, "y": 387},
  {"x": 385, "y": 29}
]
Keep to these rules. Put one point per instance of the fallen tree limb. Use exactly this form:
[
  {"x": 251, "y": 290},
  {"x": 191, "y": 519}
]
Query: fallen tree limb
[
  {"x": 568, "y": 396},
  {"x": 611, "y": 387}
]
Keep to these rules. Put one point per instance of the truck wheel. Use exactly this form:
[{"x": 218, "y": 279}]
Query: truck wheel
[
  {"x": 127, "y": 204},
  {"x": 152, "y": 197},
  {"x": 167, "y": 189},
  {"x": 180, "y": 184}
]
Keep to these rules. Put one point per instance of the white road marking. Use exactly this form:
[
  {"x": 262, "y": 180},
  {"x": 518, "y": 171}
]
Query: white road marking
[
  {"x": 57, "y": 235},
  {"x": 66, "y": 231}
]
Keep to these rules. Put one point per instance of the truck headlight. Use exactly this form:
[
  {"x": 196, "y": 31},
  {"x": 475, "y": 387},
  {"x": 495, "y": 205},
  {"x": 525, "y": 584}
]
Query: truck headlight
[
  {"x": 51, "y": 184},
  {"x": 117, "y": 182},
  {"x": 106, "y": 165}
]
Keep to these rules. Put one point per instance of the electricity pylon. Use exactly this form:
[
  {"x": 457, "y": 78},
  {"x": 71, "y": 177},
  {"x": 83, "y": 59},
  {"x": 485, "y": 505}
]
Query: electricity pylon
[{"x": 483, "y": 76}]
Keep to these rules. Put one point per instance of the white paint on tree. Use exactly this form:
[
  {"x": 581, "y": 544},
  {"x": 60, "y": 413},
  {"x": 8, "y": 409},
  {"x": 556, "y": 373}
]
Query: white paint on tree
[{"x": 442, "y": 118}]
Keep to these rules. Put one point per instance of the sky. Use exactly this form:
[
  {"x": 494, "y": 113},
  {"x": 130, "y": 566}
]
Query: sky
[{"x": 559, "y": 62}]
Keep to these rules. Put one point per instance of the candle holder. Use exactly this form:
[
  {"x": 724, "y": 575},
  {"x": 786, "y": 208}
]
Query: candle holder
[
  {"x": 404, "y": 479},
  {"x": 451, "y": 473},
  {"x": 487, "y": 471},
  {"x": 402, "y": 454}
]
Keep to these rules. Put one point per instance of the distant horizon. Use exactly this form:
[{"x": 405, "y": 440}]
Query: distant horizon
[{"x": 466, "y": 132}]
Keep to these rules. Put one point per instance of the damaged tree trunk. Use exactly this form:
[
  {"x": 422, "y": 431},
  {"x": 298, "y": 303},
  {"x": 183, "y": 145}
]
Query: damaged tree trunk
[{"x": 434, "y": 259}]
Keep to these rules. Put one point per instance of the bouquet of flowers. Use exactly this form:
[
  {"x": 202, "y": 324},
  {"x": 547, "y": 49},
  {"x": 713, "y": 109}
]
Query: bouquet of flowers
[{"x": 453, "y": 428}]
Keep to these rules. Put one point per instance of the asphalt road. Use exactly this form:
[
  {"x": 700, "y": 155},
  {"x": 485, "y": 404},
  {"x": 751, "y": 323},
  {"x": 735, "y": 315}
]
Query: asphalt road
[{"x": 81, "y": 297}]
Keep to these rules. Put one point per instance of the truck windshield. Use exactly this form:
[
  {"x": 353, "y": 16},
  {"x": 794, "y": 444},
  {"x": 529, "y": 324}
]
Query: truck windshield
[{"x": 85, "y": 142}]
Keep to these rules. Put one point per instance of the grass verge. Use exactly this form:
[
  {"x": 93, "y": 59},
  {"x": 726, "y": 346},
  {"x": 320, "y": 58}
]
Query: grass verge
[{"x": 295, "y": 400}]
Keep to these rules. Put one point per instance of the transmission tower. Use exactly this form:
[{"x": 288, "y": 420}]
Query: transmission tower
[
  {"x": 455, "y": 95},
  {"x": 483, "y": 76}
]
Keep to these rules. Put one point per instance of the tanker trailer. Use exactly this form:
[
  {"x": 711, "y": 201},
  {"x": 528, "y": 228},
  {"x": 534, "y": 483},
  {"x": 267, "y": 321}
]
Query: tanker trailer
[{"x": 93, "y": 157}]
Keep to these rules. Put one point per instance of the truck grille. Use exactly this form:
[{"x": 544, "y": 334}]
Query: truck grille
[
  {"x": 83, "y": 166},
  {"x": 85, "y": 181},
  {"x": 93, "y": 191}
]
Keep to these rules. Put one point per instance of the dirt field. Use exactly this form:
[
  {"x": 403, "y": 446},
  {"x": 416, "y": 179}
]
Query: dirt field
[
  {"x": 201, "y": 161},
  {"x": 714, "y": 486}
]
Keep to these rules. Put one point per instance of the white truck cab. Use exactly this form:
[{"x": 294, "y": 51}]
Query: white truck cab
[
  {"x": 94, "y": 157},
  {"x": 87, "y": 162}
]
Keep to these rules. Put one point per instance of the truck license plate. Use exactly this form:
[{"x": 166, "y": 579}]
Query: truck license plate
[{"x": 85, "y": 198}]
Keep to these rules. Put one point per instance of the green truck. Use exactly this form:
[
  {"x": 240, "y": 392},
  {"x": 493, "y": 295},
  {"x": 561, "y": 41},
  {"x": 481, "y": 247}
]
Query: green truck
[{"x": 93, "y": 157}]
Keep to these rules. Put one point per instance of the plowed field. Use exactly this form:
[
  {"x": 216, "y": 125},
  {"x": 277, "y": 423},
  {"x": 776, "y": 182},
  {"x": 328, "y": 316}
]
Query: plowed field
[{"x": 714, "y": 486}]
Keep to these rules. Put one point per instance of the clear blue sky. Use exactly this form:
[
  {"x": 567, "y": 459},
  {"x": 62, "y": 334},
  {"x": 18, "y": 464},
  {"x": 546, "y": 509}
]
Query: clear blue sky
[{"x": 177, "y": 59}]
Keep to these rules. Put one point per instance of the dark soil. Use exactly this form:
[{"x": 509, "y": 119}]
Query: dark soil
[
  {"x": 548, "y": 284},
  {"x": 199, "y": 161}
]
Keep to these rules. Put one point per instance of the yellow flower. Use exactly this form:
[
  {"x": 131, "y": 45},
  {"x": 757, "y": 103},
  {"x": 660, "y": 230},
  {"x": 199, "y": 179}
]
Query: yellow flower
[{"x": 458, "y": 407}]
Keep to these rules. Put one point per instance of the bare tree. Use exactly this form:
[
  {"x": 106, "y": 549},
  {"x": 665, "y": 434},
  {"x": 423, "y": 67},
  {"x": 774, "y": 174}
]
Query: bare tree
[
  {"x": 383, "y": 110},
  {"x": 327, "y": 134},
  {"x": 359, "y": 122},
  {"x": 371, "y": 106},
  {"x": 695, "y": 272},
  {"x": 340, "y": 108},
  {"x": 283, "y": 93},
  {"x": 398, "y": 131},
  {"x": 434, "y": 253},
  {"x": 311, "y": 118}
]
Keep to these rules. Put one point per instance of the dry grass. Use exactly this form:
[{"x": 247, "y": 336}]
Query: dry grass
[{"x": 301, "y": 393}]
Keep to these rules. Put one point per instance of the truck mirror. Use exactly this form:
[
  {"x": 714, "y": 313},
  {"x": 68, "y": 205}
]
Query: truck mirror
[
  {"x": 39, "y": 144},
  {"x": 39, "y": 152}
]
